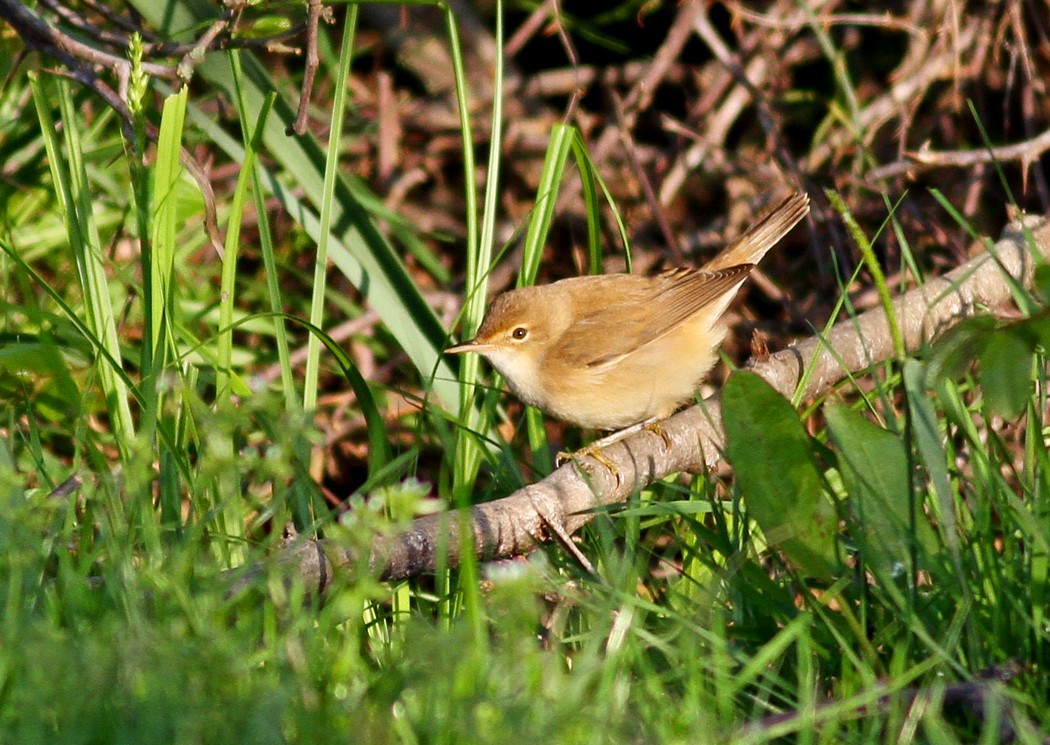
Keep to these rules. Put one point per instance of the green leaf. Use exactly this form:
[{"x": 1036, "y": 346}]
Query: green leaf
[
  {"x": 74, "y": 194},
  {"x": 874, "y": 467},
  {"x": 1041, "y": 282},
  {"x": 783, "y": 488},
  {"x": 1006, "y": 371},
  {"x": 268, "y": 25},
  {"x": 953, "y": 353}
]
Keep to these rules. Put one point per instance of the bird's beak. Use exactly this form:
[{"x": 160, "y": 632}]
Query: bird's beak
[{"x": 465, "y": 346}]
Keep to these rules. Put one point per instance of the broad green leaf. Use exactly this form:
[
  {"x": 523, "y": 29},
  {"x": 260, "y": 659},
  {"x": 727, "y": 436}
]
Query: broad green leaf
[
  {"x": 1039, "y": 328},
  {"x": 1006, "y": 372},
  {"x": 954, "y": 352},
  {"x": 874, "y": 467},
  {"x": 778, "y": 477}
]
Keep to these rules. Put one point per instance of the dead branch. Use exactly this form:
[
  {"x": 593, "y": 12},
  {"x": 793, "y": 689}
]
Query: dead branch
[
  {"x": 37, "y": 33},
  {"x": 937, "y": 64},
  {"x": 566, "y": 500},
  {"x": 925, "y": 159}
]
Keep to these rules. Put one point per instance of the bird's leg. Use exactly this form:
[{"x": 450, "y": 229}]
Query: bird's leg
[
  {"x": 615, "y": 437},
  {"x": 594, "y": 451},
  {"x": 655, "y": 425},
  {"x": 595, "y": 448},
  {"x": 604, "y": 442}
]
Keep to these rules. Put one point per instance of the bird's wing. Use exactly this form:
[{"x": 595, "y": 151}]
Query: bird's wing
[{"x": 623, "y": 326}]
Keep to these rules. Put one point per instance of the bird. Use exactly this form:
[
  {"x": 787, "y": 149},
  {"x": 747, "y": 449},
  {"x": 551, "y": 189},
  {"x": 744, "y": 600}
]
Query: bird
[{"x": 609, "y": 351}]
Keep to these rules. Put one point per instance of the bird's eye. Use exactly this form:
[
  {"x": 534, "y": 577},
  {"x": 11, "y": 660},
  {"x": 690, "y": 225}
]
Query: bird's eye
[{"x": 520, "y": 332}]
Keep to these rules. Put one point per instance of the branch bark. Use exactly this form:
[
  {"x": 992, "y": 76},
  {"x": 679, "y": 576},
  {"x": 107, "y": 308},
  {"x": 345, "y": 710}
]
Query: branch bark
[{"x": 565, "y": 500}]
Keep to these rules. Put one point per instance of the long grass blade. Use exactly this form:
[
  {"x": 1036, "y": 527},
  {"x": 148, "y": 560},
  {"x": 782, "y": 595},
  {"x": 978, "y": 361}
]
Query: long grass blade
[{"x": 70, "y": 182}]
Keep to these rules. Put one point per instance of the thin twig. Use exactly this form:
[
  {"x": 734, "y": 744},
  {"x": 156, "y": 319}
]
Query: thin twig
[
  {"x": 527, "y": 29},
  {"x": 706, "y": 31},
  {"x": 312, "y": 61},
  {"x": 120, "y": 21},
  {"x": 67, "y": 487},
  {"x": 39, "y": 34},
  {"x": 925, "y": 159},
  {"x": 799, "y": 20},
  {"x": 85, "y": 26},
  {"x": 195, "y": 55}
]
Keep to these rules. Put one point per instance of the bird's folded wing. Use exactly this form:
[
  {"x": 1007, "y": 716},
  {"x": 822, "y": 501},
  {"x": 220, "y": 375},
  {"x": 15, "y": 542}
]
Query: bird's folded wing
[{"x": 626, "y": 325}]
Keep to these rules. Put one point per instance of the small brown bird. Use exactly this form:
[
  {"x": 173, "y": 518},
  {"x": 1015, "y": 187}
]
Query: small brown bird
[{"x": 612, "y": 350}]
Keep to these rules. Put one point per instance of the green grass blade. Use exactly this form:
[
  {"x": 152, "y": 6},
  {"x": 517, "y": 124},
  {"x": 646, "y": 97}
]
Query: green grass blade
[
  {"x": 226, "y": 380},
  {"x": 590, "y": 176},
  {"x": 331, "y": 175},
  {"x": 356, "y": 247},
  {"x": 871, "y": 261},
  {"x": 932, "y": 456},
  {"x": 551, "y": 176},
  {"x": 558, "y": 149},
  {"x": 468, "y": 451},
  {"x": 159, "y": 252},
  {"x": 70, "y": 182},
  {"x": 467, "y": 457}
]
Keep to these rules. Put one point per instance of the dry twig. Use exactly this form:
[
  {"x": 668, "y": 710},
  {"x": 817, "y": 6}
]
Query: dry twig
[
  {"x": 925, "y": 159},
  {"x": 314, "y": 9}
]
